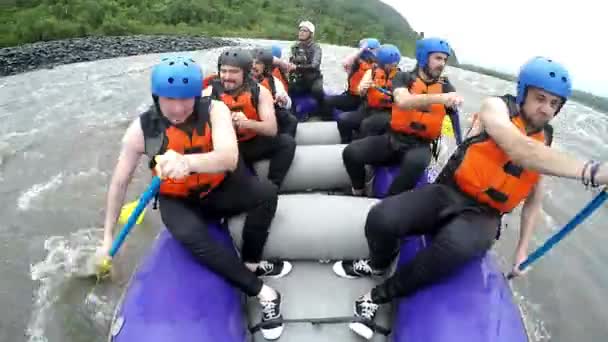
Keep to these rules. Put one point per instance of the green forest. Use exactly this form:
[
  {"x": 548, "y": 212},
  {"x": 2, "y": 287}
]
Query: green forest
[{"x": 342, "y": 22}]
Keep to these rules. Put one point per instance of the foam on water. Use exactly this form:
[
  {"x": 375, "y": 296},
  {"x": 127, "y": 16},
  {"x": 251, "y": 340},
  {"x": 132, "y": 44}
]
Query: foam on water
[
  {"x": 31, "y": 194},
  {"x": 65, "y": 259}
]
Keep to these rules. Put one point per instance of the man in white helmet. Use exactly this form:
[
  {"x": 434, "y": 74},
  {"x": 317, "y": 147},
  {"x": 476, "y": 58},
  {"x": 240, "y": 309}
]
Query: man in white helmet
[{"x": 305, "y": 66}]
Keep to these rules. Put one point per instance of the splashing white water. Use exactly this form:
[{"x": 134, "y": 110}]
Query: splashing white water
[{"x": 67, "y": 257}]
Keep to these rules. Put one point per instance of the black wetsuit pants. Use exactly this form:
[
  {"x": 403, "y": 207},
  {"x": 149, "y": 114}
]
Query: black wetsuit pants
[
  {"x": 314, "y": 87},
  {"x": 345, "y": 102},
  {"x": 378, "y": 150},
  {"x": 188, "y": 221},
  {"x": 460, "y": 230},
  {"x": 365, "y": 121},
  {"x": 280, "y": 149},
  {"x": 287, "y": 122}
]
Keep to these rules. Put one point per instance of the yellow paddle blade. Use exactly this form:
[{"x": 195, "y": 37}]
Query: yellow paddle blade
[
  {"x": 126, "y": 211},
  {"x": 104, "y": 268},
  {"x": 446, "y": 127}
]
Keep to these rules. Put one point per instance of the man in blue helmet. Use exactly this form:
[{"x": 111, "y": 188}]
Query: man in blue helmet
[
  {"x": 191, "y": 142},
  {"x": 355, "y": 65},
  {"x": 497, "y": 167},
  {"x": 422, "y": 98},
  {"x": 375, "y": 88}
]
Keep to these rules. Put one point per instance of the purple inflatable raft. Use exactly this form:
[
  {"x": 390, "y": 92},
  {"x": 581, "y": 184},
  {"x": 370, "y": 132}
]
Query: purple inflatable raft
[
  {"x": 172, "y": 298},
  {"x": 303, "y": 105}
]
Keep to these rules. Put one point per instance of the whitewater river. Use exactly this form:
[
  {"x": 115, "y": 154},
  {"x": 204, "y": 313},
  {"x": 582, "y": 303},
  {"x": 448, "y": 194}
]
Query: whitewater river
[{"x": 60, "y": 131}]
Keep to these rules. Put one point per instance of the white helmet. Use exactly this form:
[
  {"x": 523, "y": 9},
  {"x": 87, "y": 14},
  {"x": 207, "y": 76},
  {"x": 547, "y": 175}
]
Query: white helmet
[{"x": 307, "y": 25}]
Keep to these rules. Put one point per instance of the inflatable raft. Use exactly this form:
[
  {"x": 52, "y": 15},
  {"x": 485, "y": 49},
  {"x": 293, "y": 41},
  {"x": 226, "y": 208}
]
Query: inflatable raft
[{"x": 172, "y": 298}]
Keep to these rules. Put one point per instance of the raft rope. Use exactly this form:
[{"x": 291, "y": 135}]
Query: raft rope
[{"x": 326, "y": 320}]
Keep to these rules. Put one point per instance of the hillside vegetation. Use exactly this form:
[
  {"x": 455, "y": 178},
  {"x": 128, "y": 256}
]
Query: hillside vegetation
[{"x": 342, "y": 22}]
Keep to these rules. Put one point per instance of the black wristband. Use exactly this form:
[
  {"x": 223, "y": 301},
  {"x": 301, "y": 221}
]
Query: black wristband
[
  {"x": 583, "y": 178},
  {"x": 594, "y": 169}
]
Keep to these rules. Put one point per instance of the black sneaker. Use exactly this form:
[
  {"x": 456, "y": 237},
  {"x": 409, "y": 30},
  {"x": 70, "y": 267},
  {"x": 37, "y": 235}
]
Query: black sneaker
[
  {"x": 271, "y": 315},
  {"x": 355, "y": 269},
  {"x": 366, "y": 309},
  {"x": 273, "y": 269}
]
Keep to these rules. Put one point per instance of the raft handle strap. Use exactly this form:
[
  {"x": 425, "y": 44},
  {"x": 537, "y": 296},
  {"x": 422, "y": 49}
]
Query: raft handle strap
[{"x": 326, "y": 320}]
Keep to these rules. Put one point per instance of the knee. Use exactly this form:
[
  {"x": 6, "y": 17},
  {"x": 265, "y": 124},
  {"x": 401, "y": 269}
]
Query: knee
[
  {"x": 367, "y": 125},
  {"x": 464, "y": 247},
  {"x": 350, "y": 154},
  {"x": 379, "y": 222},
  {"x": 345, "y": 120}
]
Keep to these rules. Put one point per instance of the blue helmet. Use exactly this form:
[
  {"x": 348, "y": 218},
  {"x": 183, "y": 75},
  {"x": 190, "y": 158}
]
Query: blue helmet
[
  {"x": 388, "y": 54},
  {"x": 277, "y": 51},
  {"x": 177, "y": 77},
  {"x": 424, "y": 47},
  {"x": 372, "y": 43},
  {"x": 546, "y": 74}
]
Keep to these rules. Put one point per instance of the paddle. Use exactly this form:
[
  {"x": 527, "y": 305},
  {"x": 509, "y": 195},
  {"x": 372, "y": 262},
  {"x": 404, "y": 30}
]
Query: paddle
[
  {"x": 103, "y": 269},
  {"x": 595, "y": 203},
  {"x": 126, "y": 211}
]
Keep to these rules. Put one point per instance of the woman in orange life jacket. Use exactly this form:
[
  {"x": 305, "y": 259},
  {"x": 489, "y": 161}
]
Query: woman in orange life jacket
[
  {"x": 422, "y": 99},
  {"x": 369, "y": 118},
  {"x": 495, "y": 169},
  {"x": 196, "y": 152},
  {"x": 262, "y": 73},
  {"x": 355, "y": 65},
  {"x": 253, "y": 115}
]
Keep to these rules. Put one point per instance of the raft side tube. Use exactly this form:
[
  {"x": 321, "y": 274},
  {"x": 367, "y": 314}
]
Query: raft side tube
[
  {"x": 314, "y": 167},
  {"x": 314, "y": 227},
  {"x": 304, "y": 104},
  {"x": 475, "y": 305},
  {"x": 317, "y": 133},
  {"x": 173, "y": 298}
]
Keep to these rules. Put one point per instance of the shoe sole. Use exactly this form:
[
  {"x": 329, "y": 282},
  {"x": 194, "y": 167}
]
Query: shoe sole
[
  {"x": 362, "y": 330},
  {"x": 287, "y": 267},
  {"x": 339, "y": 271},
  {"x": 272, "y": 334}
]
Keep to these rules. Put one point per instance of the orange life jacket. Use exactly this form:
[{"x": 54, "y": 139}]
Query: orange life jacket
[
  {"x": 425, "y": 124},
  {"x": 356, "y": 75},
  {"x": 276, "y": 72},
  {"x": 160, "y": 135},
  {"x": 376, "y": 98},
  {"x": 482, "y": 170},
  {"x": 245, "y": 101},
  {"x": 207, "y": 80},
  {"x": 268, "y": 83}
]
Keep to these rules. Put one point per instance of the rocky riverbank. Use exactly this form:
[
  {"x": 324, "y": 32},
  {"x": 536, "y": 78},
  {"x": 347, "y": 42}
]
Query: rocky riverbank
[{"x": 40, "y": 55}]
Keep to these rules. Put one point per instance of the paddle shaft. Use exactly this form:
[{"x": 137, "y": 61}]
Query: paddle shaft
[
  {"x": 141, "y": 205},
  {"x": 595, "y": 203}
]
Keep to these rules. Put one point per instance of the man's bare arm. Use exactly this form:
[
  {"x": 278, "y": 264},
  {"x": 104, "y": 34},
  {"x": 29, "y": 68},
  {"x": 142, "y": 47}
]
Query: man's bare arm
[
  {"x": 131, "y": 151},
  {"x": 225, "y": 152}
]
